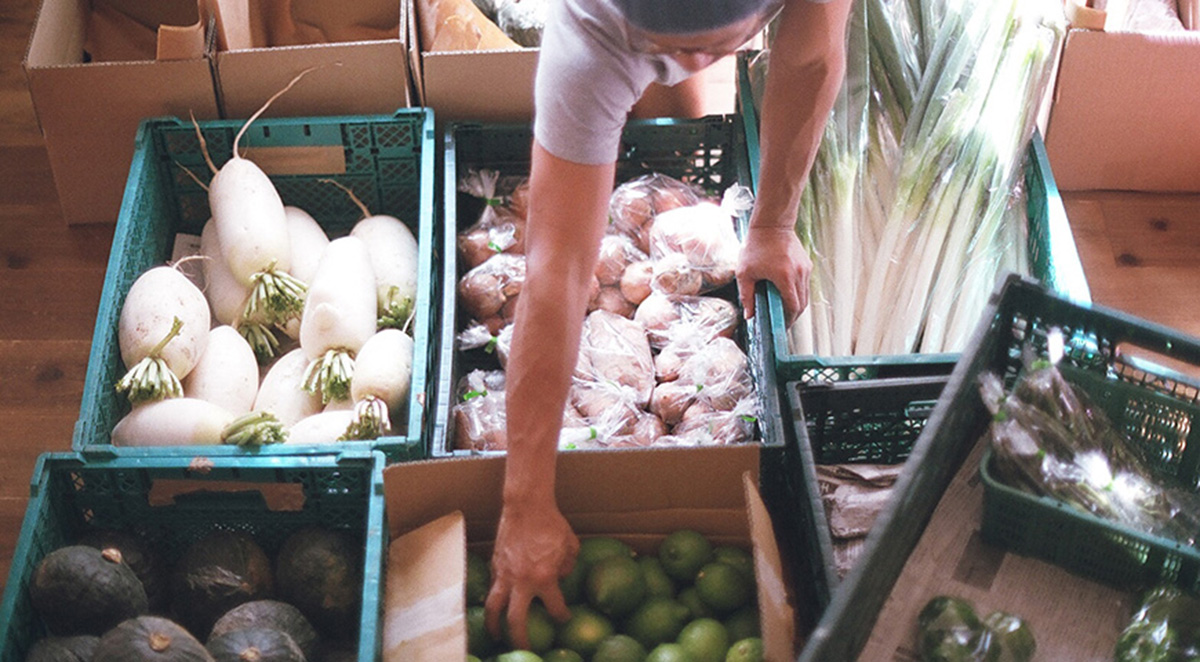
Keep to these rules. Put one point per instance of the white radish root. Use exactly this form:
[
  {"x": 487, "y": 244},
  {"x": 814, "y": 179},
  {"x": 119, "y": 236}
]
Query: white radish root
[
  {"x": 227, "y": 373},
  {"x": 323, "y": 428},
  {"x": 193, "y": 422},
  {"x": 382, "y": 380},
  {"x": 282, "y": 390},
  {"x": 227, "y": 298}
]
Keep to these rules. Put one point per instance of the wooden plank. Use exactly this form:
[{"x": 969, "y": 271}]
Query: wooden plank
[
  {"x": 38, "y": 245},
  {"x": 1153, "y": 230},
  {"x": 43, "y": 376},
  {"x": 25, "y": 436},
  {"x": 49, "y": 305}
]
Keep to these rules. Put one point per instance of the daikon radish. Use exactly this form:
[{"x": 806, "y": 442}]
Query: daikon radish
[
  {"x": 308, "y": 242},
  {"x": 282, "y": 390},
  {"x": 381, "y": 384},
  {"x": 323, "y": 428},
  {"x": 193, "y": 422},
  {"x": 227, "y": 373},
  {"x": 162, "y": 332},
  {"x": 339, "y": 316},
  {"x": 393, "y": 250},
  {"x": 227, "y": 297}
]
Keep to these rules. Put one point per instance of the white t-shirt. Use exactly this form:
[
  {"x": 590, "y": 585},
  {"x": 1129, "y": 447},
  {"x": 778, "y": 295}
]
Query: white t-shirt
[{"x": 588, "y": 80}]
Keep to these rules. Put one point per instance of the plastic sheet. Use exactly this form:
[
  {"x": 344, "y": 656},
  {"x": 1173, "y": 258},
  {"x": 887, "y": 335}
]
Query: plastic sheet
[
  {"x": 1165, "y": 628},
  {"x": 489, "y": 292},
  {"x": 501, "y": 225},
  {"x": 634, "y": 204},
  {"x": 695, "y": 248},
  {"x": 667, "y": 318}
]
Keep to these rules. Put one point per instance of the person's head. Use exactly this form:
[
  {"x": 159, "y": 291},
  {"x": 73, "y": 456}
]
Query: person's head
[{"x": 695, "y": 32}]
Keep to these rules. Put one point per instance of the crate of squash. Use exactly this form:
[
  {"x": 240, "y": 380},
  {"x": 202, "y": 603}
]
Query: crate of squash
[
  {"x": 175, "y": 558},
  {"x": 666, "y": 356}
]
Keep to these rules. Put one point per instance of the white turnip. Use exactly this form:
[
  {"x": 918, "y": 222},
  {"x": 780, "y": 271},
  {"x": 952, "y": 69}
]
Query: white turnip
[
  {"x": 227, "y": 373},
  {"x": 162, "y": 332},
  {"x": 193, "y": 422},
  {"x": 282, "y": 390},
  {"x": 227, "y": 297},
  {"x": 382, "y": 379},
  {"x": 339, "y": 316},
  {"x": 323, "y": 428}
]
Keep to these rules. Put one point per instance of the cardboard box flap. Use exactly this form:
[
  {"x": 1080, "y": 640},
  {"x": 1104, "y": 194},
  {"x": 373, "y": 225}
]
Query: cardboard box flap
[
  {"x": 777, "y": 617},
  {"x": 425, "y": 613}
]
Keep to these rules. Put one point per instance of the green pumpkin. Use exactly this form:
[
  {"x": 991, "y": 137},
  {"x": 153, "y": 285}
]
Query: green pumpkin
[
  {"x": 255, "y": 645},
  {"x": 140, "y": 558},
  {"x": 320, "y": 571},
  {"x": 83, "y": 590},
  {"x": 272, "y": 615},
  {"x": 64, "y": 649},
  {"x": 217, "y": 573},
  {"x": 150, "y": 639}
]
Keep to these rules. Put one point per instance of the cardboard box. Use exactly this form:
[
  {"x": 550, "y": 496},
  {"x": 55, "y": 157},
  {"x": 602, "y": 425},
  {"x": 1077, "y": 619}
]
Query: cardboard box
[
  {"x": 370, "y": 77},
  {"x": 89, "y": 111},
  {"x": 435, "y": 507},
  {"x": 1126, "y": 112}
]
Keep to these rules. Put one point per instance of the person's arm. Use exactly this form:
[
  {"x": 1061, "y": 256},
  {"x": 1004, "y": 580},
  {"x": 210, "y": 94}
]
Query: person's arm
[
  {"x": 808, "y": 60},
  {"x": 534, "y": 543}
]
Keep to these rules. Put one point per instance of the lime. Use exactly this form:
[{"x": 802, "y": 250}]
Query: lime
[
  {"x": 479, "y": 640},
  {"x": 615, "y": 586},
  {"x": 743, "y": 624},
  {"x": 472, "y": 658},
  {"x": 683, "y": 553},
  {"x": 619, "y": 648},
  {"x": 706, "y": 640},
  {"x": 669, "y": 653},
  {"x": 723, "y": 587},
  {"x": 746, "y": 650},
  {"x": 593, "y": 550},
  {"x": 572, "y": 585},
  {"x": 562, "y": 655},
  {"x": 690, "y": 598},
  {"x": 736, "y": 557},
  {"x": 657, "y": 621},
  {"x": 584, "y": 632},
  {"x": 479, "y": 579},
  {"x": 658, "y": 582},
  {"x": 519, "y": 656},
  {"x": 539, "y": 627}
]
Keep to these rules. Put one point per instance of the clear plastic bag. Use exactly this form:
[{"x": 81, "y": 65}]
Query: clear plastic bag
[
  {"x": 666, "y": 318},
  {"x": 695, "y": 248},
  {"x": 501, "y": 226},
  {"x": 489, "y": 292},
  {"x": 635, "y": 203},
  {"x": 479, "y": 416},
  {"x": 615, "y": 349}
]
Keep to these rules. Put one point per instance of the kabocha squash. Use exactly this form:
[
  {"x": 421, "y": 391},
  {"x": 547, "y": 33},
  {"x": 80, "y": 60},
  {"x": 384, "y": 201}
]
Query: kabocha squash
[
  {"x": 82, "y": 590},
  {"x": 217, "y": 573},
  {"x": 64, "y": 649},
  {"x": 269, "y": 614},
  {"x": 255, "y": 645},
  {"x": 150, "y": 639},
  {"x": 143, "y": 560},
  {"x": 320, "y": 571}
]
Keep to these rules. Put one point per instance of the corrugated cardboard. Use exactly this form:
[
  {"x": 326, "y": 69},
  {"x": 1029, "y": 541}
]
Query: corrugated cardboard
[
  {"x": 359, "y": 78},
  {"x": 89, "y": 112},
  {"x": 636, "y": 496},
  {"x": 1126, "y": 112}
]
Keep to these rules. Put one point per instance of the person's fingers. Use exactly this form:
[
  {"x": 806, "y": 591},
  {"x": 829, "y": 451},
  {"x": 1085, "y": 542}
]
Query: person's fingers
[
  {"x": 518, "y": 614},
  {"x": 745, "y": 284},
  {"x": 556, "y": 605},
  {"x": 788, "y": 291},
  {"x": 497, "y": 599}
]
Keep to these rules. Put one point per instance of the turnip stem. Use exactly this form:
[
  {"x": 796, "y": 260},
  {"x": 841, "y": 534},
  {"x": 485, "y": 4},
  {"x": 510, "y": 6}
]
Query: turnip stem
[
  {"x": 275, "y": 297},
  {"x": 330, "y": 375},
  {"x": 256, "y": 428},
  {"x": 151, "y": 378},
  {"x": 261, "y": 339},
  {"x": 371, "y": 420},
  {"x": 399, "y": 311}
]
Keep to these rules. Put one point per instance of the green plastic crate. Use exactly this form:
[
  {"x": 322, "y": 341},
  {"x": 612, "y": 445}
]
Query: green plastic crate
[
  {"x": 1157, "y": 409},
  {"x": 71, "y": 494},
  {"x": 389, "y": 164},
  {"x": 707, "y": 151},
  {"x": 873, "y": 421},
  {"x": 1053, "y": 258}
]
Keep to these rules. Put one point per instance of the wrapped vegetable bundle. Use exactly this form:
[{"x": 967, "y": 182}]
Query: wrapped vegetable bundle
[
  {"x": 501, "y": 226},
  {"x": 694, "y": 249},
  {"x": 1165, "y": 628},
  {"x": 948, "y": 630},
  {"x": 1049, "y": 439},
  {"x": 489, "y": 292},
  {"x": 634, "y": 204}
]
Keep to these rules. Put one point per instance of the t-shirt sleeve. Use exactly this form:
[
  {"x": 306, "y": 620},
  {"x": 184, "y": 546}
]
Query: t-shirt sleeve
[{"x": 584, "y": 89}]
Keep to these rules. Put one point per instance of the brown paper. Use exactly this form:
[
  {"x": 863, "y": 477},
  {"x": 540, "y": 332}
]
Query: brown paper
[
  {"x": 126, "y": 30},
  {"x": 458, "y": 25}
]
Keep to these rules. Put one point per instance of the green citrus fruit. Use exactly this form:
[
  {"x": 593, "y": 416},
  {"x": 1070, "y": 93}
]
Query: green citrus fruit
[
  {"x": 690, "y": 598},
  {"x": 723, "y": 587},
  {"x": 479, "y": 640},
  {"x": 472, "y": 658},
  {"x": 619, "y": 648},
  {"x": 572, "y": 584},
  {"x": 657, "y": 621},
  {"x": 736, "y": 557},
  {"x": 538, "y": 626},
  {"x": 658, "y": 583},
  {"x": 479, "y": 579},
  {"x": 743, "y": 624},
  {"x": 584, "y": 632},
  {"x": 615, "y": 586},
  {"x": 562, "y": 655},
  {"x": 669, "y": 653},
  {"x": 592, "y": 550},
  {"x": 683, "y": 553},
  {"x": 519, "y": 656},
  {"x": 746, "y": 650},
  {"x": 705, "y": 639}
]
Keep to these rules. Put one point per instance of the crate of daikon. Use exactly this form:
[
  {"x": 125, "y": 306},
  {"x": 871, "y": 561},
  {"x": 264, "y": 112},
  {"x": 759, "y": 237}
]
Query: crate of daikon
[
  {"x": 269, "y": 290},
  {"x": 666, "y": 357}
]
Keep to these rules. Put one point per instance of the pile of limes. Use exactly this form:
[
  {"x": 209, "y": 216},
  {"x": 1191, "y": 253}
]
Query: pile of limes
[{"x": 693, "y": 602}]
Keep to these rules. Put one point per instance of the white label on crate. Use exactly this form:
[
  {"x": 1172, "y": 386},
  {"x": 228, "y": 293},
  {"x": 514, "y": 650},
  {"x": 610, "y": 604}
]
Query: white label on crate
[{"x": 188, "y": 245}]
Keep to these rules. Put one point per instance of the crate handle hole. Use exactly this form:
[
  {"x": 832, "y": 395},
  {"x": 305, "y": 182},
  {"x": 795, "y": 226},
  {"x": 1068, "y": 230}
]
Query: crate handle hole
[
  {"x": 281, "y": 497},
  {"x": 1159, "y": 364}
]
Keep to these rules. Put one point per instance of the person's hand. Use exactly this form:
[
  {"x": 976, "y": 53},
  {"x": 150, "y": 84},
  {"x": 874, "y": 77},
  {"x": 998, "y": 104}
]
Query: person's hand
[
  {"x": 535, "y": 546},
  {"x": 774, "y": 254}
]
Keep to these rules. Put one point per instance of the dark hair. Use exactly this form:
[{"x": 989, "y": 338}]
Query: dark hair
[{"x": 686, "y": 16}]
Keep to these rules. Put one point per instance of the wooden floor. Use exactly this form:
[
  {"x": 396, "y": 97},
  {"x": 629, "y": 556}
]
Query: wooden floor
[{"x": 1139, "y": 255}]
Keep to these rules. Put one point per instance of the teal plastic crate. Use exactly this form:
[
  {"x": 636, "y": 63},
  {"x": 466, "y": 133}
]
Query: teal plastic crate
[
  {"x": 1155, "y": 405},
  {"x": 708, "y": 152},
  {"x": 71, "y": 494},
  {"x": 874, "y": 421},
  {"x": 389, "y": 164},
  {"x": 1054, "y": 261}
]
